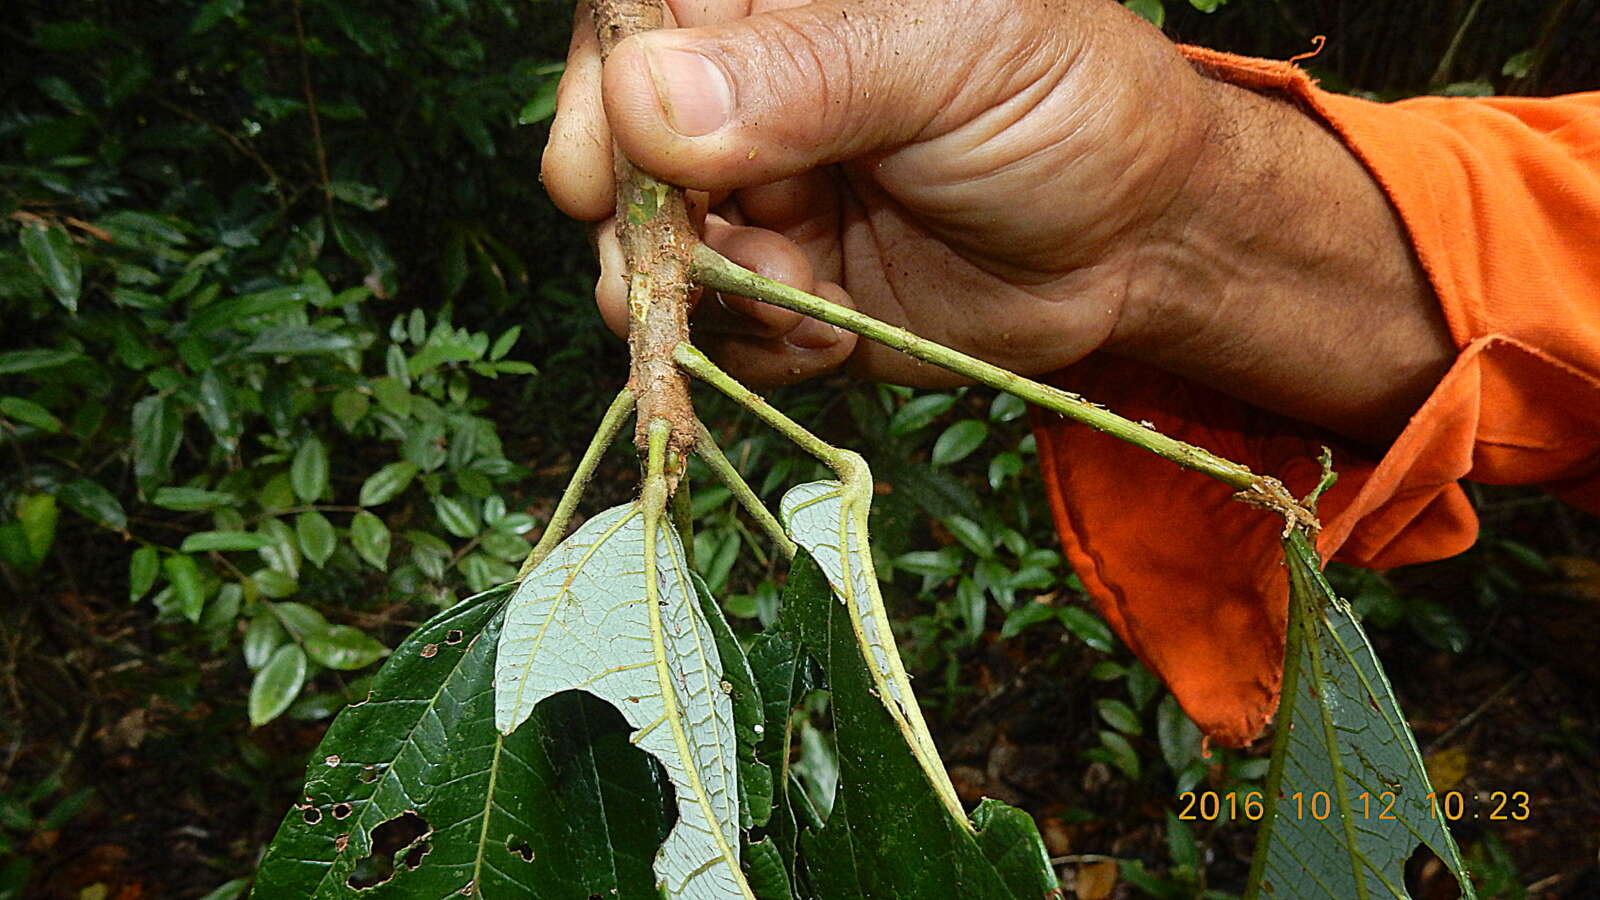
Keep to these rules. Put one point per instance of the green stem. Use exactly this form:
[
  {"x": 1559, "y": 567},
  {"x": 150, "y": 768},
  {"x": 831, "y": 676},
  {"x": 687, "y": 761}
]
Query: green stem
[
  {"x": 701, "y": 367},
  {"x": 715, "y": 271},
  {"x": 712, "y": 456},
  {"x": 616, "y": 415}
]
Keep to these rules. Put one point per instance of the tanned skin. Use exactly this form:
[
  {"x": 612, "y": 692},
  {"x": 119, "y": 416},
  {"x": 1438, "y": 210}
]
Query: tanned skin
[{"x": 1028, "y": 181}]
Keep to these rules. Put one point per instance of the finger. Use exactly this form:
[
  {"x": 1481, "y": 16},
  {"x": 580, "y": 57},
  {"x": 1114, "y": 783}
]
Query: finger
[
  {"x": 577, "y": 163},
  {"x": 765, "y": 253},
  {"x": 611, "y": 290},
  {"x": 810, "y": 349},
  {"x": 757, "y": 99}
]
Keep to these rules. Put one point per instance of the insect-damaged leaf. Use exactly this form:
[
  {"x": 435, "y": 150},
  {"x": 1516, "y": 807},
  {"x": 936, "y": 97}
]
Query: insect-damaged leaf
[
  {"x": 563, "y": 808},
  {"x": 605, "y": 614},
  {"x": 829, "y": 519},
  {"x": 1347, "y": 795}
]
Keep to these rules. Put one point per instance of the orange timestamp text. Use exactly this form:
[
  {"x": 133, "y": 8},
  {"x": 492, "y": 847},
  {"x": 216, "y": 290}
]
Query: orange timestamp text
[{"x": 1454, "y": 806}]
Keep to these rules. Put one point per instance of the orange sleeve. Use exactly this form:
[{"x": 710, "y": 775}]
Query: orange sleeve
[{"x": 1501, "y": 199}]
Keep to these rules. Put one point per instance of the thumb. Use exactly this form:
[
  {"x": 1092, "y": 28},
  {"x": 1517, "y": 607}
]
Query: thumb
[{"x": 761, "y": 98}]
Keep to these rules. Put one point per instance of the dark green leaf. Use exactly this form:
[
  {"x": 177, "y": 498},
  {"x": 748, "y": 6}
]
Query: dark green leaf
[
  {"x": 143, "y": 567},
  {"x": 29, "y": 413},
  {"x": 565, "y": 807},
  {"x": 387, "y": 483},
  {"x": 316, "y": 536},
  {"x": 157, "y": 429},
  {"x": 262, "y": 636},
  {"x": 16, "y": 361},
  {"x": 349, "y": 408},
  {"x": 308, "y": 473},
  {"x": 457, "y": 517},
  {"x": 920, "y": 412},
  {"x": 1119, "y": 715},
  {"x": 223, "y": 541},
  {"x": 193, "y": 499},
  {"x": 371, "y": 539},
  {"x": 185, "y": 577},
  {"x": 1341, "y": 734},
  {"x": 38, "y": 515},
  {"x": 343, "y": 647},
  {"x": 53, "y": 258},
  {"x": 215, "y": 403},
  {"x": 277, "y": 684},
  {"x": 958, "y": 441},
  {"x": 90, "y": 500},
  {"x": 542, "y": 105},
  {"x": 1087, "y": 627},
  {"x": 888, "y": 834},
  {"x": 298, "y": 340}
]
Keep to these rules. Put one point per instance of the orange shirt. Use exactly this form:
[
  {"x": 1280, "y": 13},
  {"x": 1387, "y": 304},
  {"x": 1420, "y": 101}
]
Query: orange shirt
[{"x": 1501, "y": 198}]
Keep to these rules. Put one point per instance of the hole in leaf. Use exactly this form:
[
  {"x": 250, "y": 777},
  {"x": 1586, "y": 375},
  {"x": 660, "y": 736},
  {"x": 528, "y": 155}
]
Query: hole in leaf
[
  {"x": 311, "y": 814},
  {"x": 341, "y": 810},
  {"x": 429, "y": 651},
  {"x": 454, "y": 636},
  {"x": 368, "y": 774},
  {"x": 518, "y": 846},
  {"x": 401, "y": 840}
]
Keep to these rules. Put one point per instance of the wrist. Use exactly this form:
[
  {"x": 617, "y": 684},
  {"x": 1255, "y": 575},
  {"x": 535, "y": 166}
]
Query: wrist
[{"x": 1282, "y": 275}]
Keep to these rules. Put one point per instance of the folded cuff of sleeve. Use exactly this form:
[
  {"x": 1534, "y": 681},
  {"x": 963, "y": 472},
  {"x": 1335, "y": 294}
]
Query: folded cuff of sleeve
[{"x": 1191, "y": 579}]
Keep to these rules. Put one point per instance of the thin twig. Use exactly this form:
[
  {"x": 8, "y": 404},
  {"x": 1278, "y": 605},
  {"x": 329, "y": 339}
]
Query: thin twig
[
  {"x": 311, "y": 110},
  {"x": 610, "y": 425},
  {"x": 715, "y": 271},
  {"x": 712, "y": 456}
]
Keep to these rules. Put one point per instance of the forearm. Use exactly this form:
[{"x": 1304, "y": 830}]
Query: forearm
[{"x": 1284, "y": 277}]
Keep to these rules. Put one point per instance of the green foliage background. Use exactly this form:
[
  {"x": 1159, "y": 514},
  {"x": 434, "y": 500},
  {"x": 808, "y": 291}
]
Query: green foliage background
[{"x": 294, "y": 351}]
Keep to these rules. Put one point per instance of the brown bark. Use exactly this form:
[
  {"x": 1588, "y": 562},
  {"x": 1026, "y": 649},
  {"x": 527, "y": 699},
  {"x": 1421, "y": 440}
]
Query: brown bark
[{"x": 657, "y": 241}]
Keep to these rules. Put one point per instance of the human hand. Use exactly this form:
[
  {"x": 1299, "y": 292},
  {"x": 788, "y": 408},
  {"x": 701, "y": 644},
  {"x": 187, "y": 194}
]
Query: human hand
[{"x": 995, "y": 175}]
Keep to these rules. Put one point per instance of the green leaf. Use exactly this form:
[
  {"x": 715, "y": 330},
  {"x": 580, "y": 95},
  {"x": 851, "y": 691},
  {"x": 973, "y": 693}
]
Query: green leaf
[
  {"x": 343, "y": 647},
  {"x": 29, "y": 413},
  {"x": 1179, "y": 737},
  {"x": 308, "y": 473},
  {"x": 298, "y": 340},
  {"x": 277, "y": 684},
  {"x": 16, "y": 361},
  {"x": 1087, "y": 627},
  {"x": 93, "y": 502},
  {"x": 1119, "y": 715},
  {"x": 349, "y": 408},
  {"x": 187, "y": 499},
  {"x": 262, "y": 636},
  {"x": 889, "y": 834},
  {"x": 1340, "y": 734},
  {"x": 919, "y": 413},
  {"x": 205, "y": 541},
  {"x": 542, "y": 105},
  {"x": 387, "y": 483},
  {"x": 185, "y": 577},
  {"x": 157, "y": 429},
  {"x": 563, "y": 807},
  {"x": 456, "y": 517},
  {"x": 1150, "y": 10},
  {"x": 38, "y": 515},
  {"x": 958, "y": 441},
  {"x": 143, "y": 566},
  {"x": 316, "y": 536},
  {"x": 371, "y": 539},
  {"x": 53, "y": 258},
  {"x": 600, "y": 616},
  {"x": 971, "y": 535},
  {"x": 829, "y": 519},
  {"x": 215, "y": 403}
]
